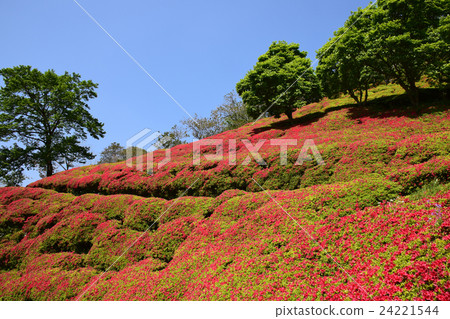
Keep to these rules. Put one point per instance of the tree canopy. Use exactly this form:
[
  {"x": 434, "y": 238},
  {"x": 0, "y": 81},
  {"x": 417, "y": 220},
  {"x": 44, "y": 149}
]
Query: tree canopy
[
  {"x": 233, "y": 112},
  {"x": 401, "y": 40},
  {"x": 11, "y": 161},
  {"x": 398, "y": 40},
  {"x": 281, "y": 81},
  {"x": 172, "y": 138},
  {"x": 203, "y": 127},
  {"x": 343, "y": 60},
  {"x": 113, "y": 153},
  {"x": 48, "y": 116}
]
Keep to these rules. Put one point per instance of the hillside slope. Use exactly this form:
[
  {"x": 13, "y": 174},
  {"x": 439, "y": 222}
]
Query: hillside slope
[{"x": 371, "y": 224}]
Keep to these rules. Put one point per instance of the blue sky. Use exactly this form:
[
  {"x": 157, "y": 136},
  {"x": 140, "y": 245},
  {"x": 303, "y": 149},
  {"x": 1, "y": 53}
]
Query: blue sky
[{"x": 197, "y": 50}]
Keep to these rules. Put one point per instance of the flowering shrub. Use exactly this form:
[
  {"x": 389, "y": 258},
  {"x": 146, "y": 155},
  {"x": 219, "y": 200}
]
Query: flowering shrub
[
  {"x": 353, "y": 142},
  {"x": 415, "y": 176},
  {"x": 46, "y": 284},
  {"x": 144, "y": 213},
  {"x": 392, "y": 251},
  {"x": 198, "y": 207},
  {"x": 167, "y": 239},
  {"x": 109, "y": 243},
  {"x": 74, "y": 233},
  {"x": 114, "y": 206},
  {"x": 372, "y": 223}
]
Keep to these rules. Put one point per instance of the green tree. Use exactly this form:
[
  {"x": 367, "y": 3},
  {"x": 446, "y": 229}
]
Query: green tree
[
  {"x": 281, "y": 81},
  {"x": 439, "y": 72},
  {"x": 134, "y": 151},
  {"x": 343, "y": 60},
  {"x": 172, "y": 138},
  {"x": 402, "y": 40},
  {"x": 204, "y": 127},
  {"x": 48, "y": 115},
  {"x": 399, "y": 40},
  {"x": 233, "y": 112},
  {"x": 117, "y": 153},
  {"x": 112, "y": 154},
  {"x": 12, "y": 161}
]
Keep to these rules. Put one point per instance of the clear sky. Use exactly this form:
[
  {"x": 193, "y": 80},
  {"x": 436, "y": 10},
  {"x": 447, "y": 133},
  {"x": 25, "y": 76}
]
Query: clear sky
[{"x": 197, "y": 50}]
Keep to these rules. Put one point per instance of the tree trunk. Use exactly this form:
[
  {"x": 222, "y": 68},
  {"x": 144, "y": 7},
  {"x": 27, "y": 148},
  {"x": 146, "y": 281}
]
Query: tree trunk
[
  {"x": 366, "y": 95},
  {"x": 354, "y": 97},
  {"x": 49, "y": 169},
  {"x": 289, "y": 115},
  {"x": 413, "y": 94}
]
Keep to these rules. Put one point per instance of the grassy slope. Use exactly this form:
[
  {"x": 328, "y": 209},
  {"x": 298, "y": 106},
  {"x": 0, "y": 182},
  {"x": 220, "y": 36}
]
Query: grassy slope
[{"x": 372, "y": 223}]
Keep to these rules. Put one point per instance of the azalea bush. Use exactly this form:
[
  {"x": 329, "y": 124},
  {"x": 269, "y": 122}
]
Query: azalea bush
[
  {"x": 371, "y": 223},
  {"x": 353, "y": 142}
]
